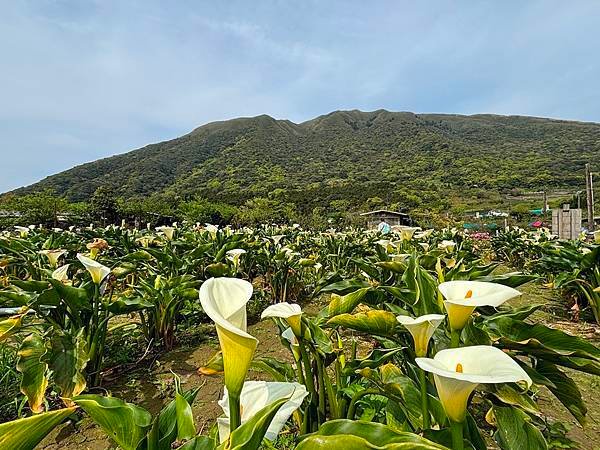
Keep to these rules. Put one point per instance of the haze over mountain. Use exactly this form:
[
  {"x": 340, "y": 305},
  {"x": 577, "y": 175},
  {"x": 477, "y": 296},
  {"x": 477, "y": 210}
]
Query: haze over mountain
[{"x": 350, "y": 155}]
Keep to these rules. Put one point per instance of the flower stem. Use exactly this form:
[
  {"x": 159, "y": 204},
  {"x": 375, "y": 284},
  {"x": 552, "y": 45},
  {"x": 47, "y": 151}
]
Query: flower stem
[
  {"x": 455, "y": 338},
  {"x": 235, "y": 416},
  {"x": 457, "y": 435},
  {"x": 424, "y": 400}
]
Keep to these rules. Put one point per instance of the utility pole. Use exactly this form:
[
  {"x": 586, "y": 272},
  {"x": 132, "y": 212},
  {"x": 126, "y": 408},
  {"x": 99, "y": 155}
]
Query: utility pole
[{"x": 590, "y": 197}]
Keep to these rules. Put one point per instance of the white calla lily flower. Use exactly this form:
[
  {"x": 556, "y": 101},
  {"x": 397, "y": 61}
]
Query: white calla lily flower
[
  {"x": 61, "y": 275},
  {"x": 23, "y": 231},
  {"x": 98, "y": 271},
  {"x": 212, "y": 229},
  {"x": 421, "y": 329},
  {"x": 406, "y": 233},
  {"x": 458, "y": 371},
  {"x": 288, "y": 335},
  {"x": 169, "y": 232},
  {"x": 291, "y": 312},
  {"x": 224, "y": 301},
  {"x": 258, "y": 394},
  {"x": 53, "y": 255},
  {"x": 447, "y": 246},
  {"x": 234, "y": 255},
  {"x": 462, "y": 297}
]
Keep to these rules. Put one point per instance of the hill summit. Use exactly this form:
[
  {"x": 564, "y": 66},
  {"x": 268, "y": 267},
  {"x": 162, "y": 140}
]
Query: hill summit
[{"x": 399, "y": 157}]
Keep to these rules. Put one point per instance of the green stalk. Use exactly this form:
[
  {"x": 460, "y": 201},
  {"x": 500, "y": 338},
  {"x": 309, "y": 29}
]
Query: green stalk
[
  {"x": 308, "y": 376},
  {"x": 320, "y": 380},
  {"x": 457, "y": 435},
  {"x": 235, "y": 415},
  {"x": 356, "y": 398},
  {"x": 455, "y": 338},
  {"x": 424, "y": 399}
]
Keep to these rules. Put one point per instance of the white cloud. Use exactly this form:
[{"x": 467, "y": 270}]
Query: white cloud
[{"x": 89, "y": 79}]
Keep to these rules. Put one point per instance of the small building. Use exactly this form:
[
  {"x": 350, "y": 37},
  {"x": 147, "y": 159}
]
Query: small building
[
  {"x": 566, "y": 222},
  {"x": 373, "y": 218}
]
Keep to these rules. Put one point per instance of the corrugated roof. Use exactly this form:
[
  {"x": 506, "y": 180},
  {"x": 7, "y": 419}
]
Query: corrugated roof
[{"x": 393, "y": 213}]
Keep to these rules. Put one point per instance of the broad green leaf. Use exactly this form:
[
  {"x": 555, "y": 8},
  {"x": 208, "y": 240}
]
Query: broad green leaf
[
  {"x": 279, "y": 371},
  {"x": 564, "y": 388},
  {"x": 34, "y": 381},
  {"x": 353, "y": 434},
  {"x": 342, "y": 304},
  {"x": 26, "y": 434},
  {"x": 376, "y": 358},
  {"x": 345, "y": 286},
  {"x": 67, "y": 360},
  {"x": 515, "y": 432},
  {"x": 250, "y": 435},
  {"x": 513, "y": 279},
  {"x": 199, "y": 443},
  {"x": 539, "y": 339},
  {"x": 378, "y": 322},
  {"x": 185, "y": 419},
  {"x": 76, "y": 298},
  {"x": 165, "y": 425},
  {"x": 125, "y": 423},
  {"x": 124, "y": 305},
  {"x": 508, "y": 394},
  {"x": 9, "y": 326}
]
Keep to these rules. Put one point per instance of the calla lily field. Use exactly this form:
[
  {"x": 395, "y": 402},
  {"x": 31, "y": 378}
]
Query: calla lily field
[{"x": 408, "y": 339}]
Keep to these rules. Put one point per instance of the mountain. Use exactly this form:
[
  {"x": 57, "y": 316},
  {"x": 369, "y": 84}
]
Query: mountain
[{"x": 349, "y": 155}]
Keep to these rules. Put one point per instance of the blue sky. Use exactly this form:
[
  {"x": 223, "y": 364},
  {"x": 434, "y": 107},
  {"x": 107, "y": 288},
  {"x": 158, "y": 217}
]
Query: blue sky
[{"x": 82, "y": 80}]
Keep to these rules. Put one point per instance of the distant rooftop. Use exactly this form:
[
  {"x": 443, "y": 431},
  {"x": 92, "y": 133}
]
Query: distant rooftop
[{"x": 384, "y": 211}]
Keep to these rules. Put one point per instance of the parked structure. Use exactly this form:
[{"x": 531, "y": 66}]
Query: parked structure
[
  {"x": 373, "y": 218},
  {"x": 566, "y": 222}
]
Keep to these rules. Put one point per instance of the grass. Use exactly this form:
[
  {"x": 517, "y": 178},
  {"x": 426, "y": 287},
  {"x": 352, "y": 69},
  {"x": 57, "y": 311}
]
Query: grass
[{"x": 9, "y": 383}]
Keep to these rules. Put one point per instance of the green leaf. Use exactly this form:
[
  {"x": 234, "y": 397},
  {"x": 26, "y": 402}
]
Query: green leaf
[
  {"x": 564, "y": 388},
  {"x": 183, "y": 412},
  {"x": 250, "y": 435},
  {"x": 67, "y": 360},
  {"x": 515, "y": 432},
  {"x": 165, "y": 425},
  {"x": 378, "y": 322},
  {"x": 125, "y": 423},
  {"x": 199, "y": 443},
  {"x": 124, "y": 305},
  {"x": 9, "y": 326},
  {"x": 512, "y": 279},
  {"x": 539, "y": 339},
  {"x": 342, "y": 304},
  {"x": 76, "y": 298},
  {"x": 353, "y": 434},
  {"x": 26, "y": 434},
  {"x": 34, "y": 381},
  {"x": 508, "y": 394}
]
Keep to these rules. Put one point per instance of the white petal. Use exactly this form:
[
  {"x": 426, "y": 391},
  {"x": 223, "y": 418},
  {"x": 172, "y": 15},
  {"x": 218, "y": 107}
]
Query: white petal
[
  {"x": 483, "y": 293},
  {"x": 224, "y": 301},
  {"x": 479, "y": 363},
  {"x": 282, "y": 310}
]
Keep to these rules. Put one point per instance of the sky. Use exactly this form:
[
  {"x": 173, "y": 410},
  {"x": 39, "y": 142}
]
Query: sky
[{"x": 82, "y": 80}]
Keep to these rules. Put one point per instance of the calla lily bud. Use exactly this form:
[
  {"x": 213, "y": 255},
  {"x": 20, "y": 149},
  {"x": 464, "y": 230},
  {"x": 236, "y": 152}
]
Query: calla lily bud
[
  {"x": 224, "y": 301},
  {"x": 421, "y": 329}
]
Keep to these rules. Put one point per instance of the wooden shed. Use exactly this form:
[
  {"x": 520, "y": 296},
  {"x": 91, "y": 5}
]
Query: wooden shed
[{"x": 373, "y": 218}]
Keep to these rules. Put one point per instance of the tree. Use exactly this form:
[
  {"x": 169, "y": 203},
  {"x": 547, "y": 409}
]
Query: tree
[{"x": 104, "y": 206}]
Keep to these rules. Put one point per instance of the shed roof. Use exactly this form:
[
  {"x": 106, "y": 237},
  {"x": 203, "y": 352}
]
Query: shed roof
[{"x": 384, "y": 211}]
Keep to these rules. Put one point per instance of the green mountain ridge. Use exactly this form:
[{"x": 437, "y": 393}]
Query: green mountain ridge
[{"x": 399, "y": 157}]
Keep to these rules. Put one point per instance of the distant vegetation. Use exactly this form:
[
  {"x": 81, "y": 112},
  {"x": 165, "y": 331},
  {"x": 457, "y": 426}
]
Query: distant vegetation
[{"x": 252, "y": 170}]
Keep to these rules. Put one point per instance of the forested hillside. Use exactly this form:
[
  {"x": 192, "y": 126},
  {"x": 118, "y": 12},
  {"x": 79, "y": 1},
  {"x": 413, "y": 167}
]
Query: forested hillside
[{"x": 353, "y": 157}]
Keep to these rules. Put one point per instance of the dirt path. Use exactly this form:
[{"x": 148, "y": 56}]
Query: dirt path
[{"x": 152, "y": 389}]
